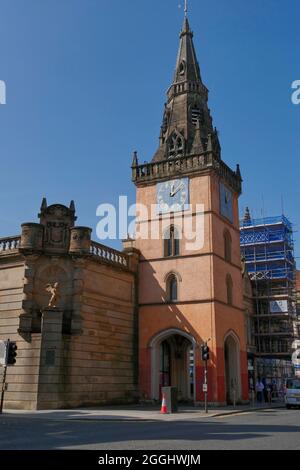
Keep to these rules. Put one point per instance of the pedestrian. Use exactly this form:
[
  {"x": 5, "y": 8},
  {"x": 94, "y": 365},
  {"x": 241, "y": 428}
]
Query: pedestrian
[
  {"x": 265, "y": 390},
  {"x": 259, "y": 387}
]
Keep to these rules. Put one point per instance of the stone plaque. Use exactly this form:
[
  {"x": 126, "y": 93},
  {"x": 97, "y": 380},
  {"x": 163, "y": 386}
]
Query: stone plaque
[{"x": 50, "y": 357}]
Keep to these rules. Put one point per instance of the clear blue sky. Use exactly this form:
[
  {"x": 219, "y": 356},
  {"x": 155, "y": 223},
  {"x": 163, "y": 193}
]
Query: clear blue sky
[{"x": 86, "y": 82}]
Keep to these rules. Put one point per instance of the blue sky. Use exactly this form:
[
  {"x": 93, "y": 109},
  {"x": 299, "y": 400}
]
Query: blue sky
[{"x": 86, "y": 82}]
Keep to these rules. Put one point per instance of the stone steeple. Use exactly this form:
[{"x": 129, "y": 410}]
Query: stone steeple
[
  {"x": 187, "y": 55},
  {"x": 188, "y": 142},
  {"x": 187, "y": 123}
]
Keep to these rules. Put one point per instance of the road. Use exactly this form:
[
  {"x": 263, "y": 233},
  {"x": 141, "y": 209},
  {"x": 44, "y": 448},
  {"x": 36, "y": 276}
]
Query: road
[{"x": 265, "y": 429}]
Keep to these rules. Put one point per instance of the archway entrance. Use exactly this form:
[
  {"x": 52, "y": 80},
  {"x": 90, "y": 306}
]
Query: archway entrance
[
  {"x": 232, "y": 369},
  {"x": 172, "y": 364}
]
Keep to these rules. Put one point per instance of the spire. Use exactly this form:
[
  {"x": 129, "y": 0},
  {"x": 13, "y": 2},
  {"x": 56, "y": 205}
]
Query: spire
[
  {"x": 186, "y": 120},
  {"x": 198, "y": 147},
  {"x": 187, "y": 67}
]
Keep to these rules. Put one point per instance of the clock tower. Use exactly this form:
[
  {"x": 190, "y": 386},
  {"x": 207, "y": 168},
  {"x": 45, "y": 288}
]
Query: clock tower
[{"x": 190, "y": 281}]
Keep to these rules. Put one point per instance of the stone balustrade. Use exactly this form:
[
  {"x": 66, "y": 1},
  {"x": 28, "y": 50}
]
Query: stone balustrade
[
  {"x": 185, "y": 165},
  {"x": 9, "y": 244},
  {"x": 115, "y": 257},
  {"x": 105, "y": 253}
]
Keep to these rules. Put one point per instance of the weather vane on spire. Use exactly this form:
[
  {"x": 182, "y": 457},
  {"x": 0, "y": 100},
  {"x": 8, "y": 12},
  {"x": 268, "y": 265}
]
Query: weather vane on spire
[{"x": 185, "y": 7}]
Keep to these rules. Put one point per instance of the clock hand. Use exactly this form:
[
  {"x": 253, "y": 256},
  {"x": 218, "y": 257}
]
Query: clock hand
[{"x": 176, "y": 190}]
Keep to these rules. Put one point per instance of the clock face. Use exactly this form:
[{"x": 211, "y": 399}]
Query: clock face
[
  {"x": 226, "y": 202},
  {"x": 172, "y": 195}
]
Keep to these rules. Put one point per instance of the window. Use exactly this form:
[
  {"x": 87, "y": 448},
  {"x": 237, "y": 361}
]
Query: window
[
  {"x": 171, "y": 242},
  {"x": 227, "y": 246},
  {"x": 229, "y": 289},
  {"x": 172, "y": 288},
  {"x": 182, "y": 67},
  {"x": 176, "y": 145}
]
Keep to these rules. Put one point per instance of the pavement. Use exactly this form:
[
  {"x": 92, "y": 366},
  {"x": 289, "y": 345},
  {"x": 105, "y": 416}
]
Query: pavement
[{"x": 140, "y": 413}]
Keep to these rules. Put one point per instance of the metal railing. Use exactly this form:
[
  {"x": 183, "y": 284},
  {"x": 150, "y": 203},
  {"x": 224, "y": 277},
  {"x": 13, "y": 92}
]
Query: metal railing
[
  {"x": 268, "y": 256},
  {"x": 281, "y": 219}
]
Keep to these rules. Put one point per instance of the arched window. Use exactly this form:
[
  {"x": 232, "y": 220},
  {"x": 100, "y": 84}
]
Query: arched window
[
  {"x": 229, "y": 289},
  {"x": 171, "y": 242},
  {"x": 172, "y": 288},
  {"x": 176, "y": 145},
  {"x": 227, "y": 246}
]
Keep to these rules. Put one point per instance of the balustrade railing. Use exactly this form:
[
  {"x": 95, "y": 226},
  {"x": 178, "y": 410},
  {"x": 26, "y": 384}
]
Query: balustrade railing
[
  {"x": 155, "y": 170},
  {"x": 109, "y": 254},
  {"x": 8, "y": 244}
]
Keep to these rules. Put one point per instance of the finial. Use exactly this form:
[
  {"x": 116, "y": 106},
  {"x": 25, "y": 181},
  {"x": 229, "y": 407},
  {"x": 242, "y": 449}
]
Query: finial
[
  {"x": 72, "y": 206},
  {"x": 135, "y": 159},
  {"x": 209, "y": 147},
  {"x": 44, "y": 204},
  {"x": 185, "y": 8}
]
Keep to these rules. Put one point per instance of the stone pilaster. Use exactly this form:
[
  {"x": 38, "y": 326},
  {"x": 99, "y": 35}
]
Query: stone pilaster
[
  {"x": 134, "y": 257},
  {"x": 132, "y": 253},
  {"x": 27, "y": 302},
  {"x": 50, "y": 389}
]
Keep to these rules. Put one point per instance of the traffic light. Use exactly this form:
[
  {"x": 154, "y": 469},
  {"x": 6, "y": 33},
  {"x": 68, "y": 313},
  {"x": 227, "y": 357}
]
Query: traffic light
[
  {"x": 204, "y": 352},
  {"x": 11, "y": 353}
]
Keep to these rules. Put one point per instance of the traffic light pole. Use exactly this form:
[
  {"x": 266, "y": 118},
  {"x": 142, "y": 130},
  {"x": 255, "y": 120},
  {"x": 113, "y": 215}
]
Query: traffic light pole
[
  {"x": 3, "y": 388},
  {"x": 205, "y": 358},
  {"x": 205, "y": 388},
  {"x": 4, "y": 376}
]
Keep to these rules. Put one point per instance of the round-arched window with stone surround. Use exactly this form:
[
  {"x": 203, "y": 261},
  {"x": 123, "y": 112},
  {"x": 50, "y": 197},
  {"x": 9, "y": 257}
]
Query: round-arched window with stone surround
[
  {"x": 172, "y": 280},
  {"x": 172, "y": 288},
  {"x": 171, "y": 242}
]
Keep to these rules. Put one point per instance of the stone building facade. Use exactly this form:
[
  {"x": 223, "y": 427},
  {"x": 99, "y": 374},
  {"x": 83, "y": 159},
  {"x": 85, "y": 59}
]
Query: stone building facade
[{"x": 81, "y": 352}]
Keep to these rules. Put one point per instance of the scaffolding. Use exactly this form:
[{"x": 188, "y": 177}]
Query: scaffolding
[{"x": 268, "y": 251}]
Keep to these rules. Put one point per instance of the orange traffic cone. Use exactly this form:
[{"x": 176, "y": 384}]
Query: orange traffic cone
[{"x": 164, "y": 409}]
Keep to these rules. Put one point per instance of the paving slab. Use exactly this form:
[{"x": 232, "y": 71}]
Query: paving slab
[{"x": 138, "y": 413}]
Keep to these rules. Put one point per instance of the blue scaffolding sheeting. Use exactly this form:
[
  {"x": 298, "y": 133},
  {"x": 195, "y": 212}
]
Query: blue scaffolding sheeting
[{"x": 267, "y": 247}]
